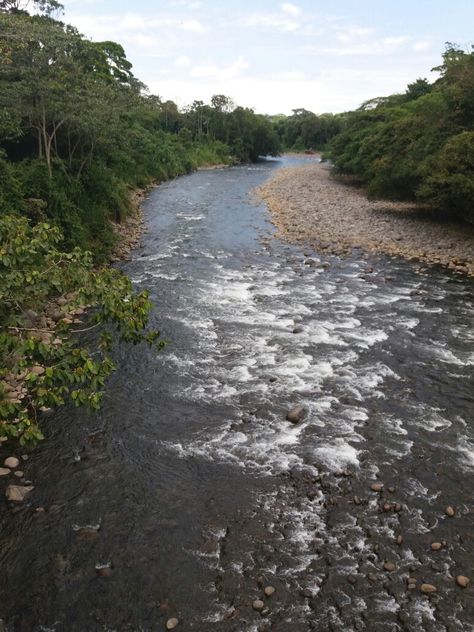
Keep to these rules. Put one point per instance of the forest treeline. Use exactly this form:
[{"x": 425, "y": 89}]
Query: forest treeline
[
  {"x": 418, "y": 145},
  {"x": 78, "y": 130}
]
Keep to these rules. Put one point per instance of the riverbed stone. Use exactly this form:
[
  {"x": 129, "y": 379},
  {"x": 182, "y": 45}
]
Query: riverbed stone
[
  {"x": 172, "y": 623},
  {"x": 428, "y": 589},
  {"x": 450, "y": 511},
  {"x": 258, "y": 604},
  {"x": 269, "y": 591},
  {"x": 436, "y": 546},
  {"x": 462, "y": 581},
  {"x": 18, "y": 493},
  {"x": 296, "y": 414},
  {"x": 376, "y": 487},
  {"x": 389, "y": 566},
  {"x": 12, "y": 462},
  {"x": 4, "y": 471}
]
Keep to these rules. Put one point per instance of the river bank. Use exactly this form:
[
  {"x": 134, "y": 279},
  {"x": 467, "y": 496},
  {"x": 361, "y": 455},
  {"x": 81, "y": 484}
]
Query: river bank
[{"x": 309, "y": 205}]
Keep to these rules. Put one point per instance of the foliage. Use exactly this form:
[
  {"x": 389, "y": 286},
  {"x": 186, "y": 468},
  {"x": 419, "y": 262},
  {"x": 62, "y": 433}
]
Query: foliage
[
  {"x": 45, "y": 358},
  {"x": 306, "y": 130},
  {"x": 417, "y": 145}
]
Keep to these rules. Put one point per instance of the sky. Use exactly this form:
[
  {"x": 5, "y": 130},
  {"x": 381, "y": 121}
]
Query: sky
[{"x": 324, "y": 56}]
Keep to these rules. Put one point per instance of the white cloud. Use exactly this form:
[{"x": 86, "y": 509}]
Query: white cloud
[
  {"x": 291, "y": 9},
  {"x": 422, "y": 45},
  {"x": 355, "y": 41},
  {"x": 351, "y": 34},
  {"x": 193, "y": 26},
  {"x": 186, "y": 4},
  {"x": 279, "y": 21},
  {"x": 183, "y": 61},
  {"x": 222, "y": 72}
]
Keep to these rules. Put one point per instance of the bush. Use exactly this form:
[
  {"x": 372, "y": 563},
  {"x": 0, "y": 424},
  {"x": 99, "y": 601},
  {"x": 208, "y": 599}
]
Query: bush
[{"x": 43, "y": 291}]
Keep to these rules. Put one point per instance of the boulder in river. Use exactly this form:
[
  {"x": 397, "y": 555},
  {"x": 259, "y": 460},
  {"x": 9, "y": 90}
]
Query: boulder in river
[
  {"x": 17, "y": 493},
  {"x": 296, "y": 414},
  {"x": 11, "y": 462},
  {"x": 462, "y": 581}
]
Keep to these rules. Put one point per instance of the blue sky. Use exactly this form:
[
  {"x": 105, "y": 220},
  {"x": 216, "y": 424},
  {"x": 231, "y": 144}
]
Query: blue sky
[{"x": 276, "y": 56}]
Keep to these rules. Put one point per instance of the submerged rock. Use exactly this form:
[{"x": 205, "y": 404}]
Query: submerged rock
[
  {"x": 427, "y": 589},
  {"x": 376, "y": 487},
  {"x": 296, "y": 414},
  {"x": 172, "y": 623},
  {"x": 17, "y": 493},
  {"x": 462, "y": 581}
]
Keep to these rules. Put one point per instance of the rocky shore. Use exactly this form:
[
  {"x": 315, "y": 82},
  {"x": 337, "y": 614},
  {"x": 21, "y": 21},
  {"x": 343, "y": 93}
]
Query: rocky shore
[
  {"x": 129, "y": 231},
  {"x": 310, "y": 205}
]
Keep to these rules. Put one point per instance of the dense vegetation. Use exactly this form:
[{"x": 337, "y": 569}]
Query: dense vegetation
[
  {"x": 418, "y": 145},
  {"x": 78, "y": 133},
  {"x": 306, "y": 130},
  {"x": 78, "y": 130}
]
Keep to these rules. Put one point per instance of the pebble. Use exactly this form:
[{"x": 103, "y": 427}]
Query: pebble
[
  {"x": 258, "y": 604},
  {"x": 436, "y": 546},
  {"x": 449, "y": 511},
  {"x": 172, "y": 623},
  {"x": 11, "y": 462},
  {"x": 4, "y": 471},
  {"x": 356, "y": 500},
  {"x": 428, "y": 589},
  {"x": 19, "y": 474},
  {"x": 462, "y": 581},
  {"x": 399, "y": 540},
  {"x": 296, "y": 414},
  {"x": 376, "y": 487},
  {"x": 103, "y": 570},
  {"x": 269, "y": 590},
  {"x": 389, "y": 566}
]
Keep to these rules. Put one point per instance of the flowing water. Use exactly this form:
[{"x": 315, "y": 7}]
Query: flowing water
[{"x": 190, "y": 492}]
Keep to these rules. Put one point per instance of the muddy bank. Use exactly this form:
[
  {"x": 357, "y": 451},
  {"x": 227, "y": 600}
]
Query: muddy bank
[{"x": 309, "y": 205}]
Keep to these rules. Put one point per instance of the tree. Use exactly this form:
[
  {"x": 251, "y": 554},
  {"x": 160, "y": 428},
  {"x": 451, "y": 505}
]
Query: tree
[
  {"x": 46, "y": 7},
  {"x": 44, "y": 295}
]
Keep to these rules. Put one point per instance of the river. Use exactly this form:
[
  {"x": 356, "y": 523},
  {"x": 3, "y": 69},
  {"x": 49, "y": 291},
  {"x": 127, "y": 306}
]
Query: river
[{"x": 189, "y": 492}]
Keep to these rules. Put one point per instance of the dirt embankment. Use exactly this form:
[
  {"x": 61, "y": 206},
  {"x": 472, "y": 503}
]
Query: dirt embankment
[{"x": 310, "y": 205}]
